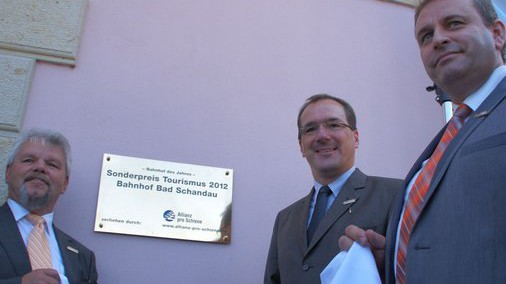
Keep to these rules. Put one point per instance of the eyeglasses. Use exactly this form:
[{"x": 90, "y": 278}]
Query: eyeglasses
[{"x": 330, "y": 125}]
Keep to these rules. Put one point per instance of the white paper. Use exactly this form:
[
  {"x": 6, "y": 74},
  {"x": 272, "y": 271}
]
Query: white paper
[{"x": 357, "y": 266}]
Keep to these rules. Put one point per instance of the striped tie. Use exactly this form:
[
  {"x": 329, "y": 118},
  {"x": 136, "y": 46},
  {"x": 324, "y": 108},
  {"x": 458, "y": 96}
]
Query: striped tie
[
  {"x": 38, "y": 246},
  {"x": 417, "y": 194}
]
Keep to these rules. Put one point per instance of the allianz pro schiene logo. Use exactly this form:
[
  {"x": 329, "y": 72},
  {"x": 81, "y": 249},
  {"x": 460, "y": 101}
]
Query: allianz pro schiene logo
[{"x": 169, "y": 215}]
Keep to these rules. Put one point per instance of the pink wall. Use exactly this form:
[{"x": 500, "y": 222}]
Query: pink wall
[{"x": 219, "y": 83}]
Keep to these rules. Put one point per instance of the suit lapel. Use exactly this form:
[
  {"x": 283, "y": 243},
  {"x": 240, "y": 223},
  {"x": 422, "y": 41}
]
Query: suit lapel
[
  {"x": 471, "y": 124},
  {"x": 302, "y": 225},
  {"x": 12, "y": 242},
  {"x": 424, "y": 156},
  {"x": 344, "y": 200},
  {"x": 396, "y": 209},
  {"x": 68, "y": 253},
  {"x": 487, "y": 106}
]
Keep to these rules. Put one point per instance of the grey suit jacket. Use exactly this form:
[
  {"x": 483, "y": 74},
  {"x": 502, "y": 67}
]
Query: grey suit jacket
[
  {"x": 79, "y": 262},
  {"x": 460, "y": 235},
  {"x": 291, "y": 260}
]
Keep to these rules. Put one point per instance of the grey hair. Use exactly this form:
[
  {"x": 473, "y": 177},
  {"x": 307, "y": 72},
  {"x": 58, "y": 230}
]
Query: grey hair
[{"x": 46, "y": 137}]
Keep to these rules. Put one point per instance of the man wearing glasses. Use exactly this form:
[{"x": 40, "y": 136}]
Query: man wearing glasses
[{"x": 306, "y": 233}]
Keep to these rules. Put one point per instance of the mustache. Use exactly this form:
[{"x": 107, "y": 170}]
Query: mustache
[{"x": 41, "y": 177}]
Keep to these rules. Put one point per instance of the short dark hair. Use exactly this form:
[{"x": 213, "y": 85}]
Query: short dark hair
[
  {"x": 348, "y": 110},
  {"x": 47, "y": 137},
  {"x": 484, "y": 7}
]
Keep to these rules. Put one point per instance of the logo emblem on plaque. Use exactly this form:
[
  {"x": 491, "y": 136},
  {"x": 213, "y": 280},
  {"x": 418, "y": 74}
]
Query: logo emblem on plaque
[{"x": 169, "y": 215}]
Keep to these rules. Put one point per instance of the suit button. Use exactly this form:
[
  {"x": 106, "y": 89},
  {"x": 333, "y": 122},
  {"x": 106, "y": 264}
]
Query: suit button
[{"x": 305, "y": 267}]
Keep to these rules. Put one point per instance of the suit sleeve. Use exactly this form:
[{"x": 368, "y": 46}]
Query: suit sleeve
[
  {"x": 272, "y": 269},
  {"x": 15, "y": 280},
  {"x": 93, "y": 275}
]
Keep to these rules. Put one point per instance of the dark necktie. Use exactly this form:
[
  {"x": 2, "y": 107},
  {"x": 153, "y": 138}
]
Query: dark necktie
[
  {"x": 319, "y": 211},
  {"x": 417, "y": 194}
]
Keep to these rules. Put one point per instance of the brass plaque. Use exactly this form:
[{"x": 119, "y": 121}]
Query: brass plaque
[{"x": 164, "y": 199}]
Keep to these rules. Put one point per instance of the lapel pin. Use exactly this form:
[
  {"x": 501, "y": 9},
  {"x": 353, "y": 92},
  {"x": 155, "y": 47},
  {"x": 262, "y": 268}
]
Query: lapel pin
[
  {"x": 480, "y": 114},
  {"x": 72, "y": 249},
  {"x": 349, "y": 201}
]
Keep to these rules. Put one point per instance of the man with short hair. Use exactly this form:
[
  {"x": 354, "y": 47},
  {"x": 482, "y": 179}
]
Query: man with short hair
[
  {"x": 37, "y": 173},
  {"x": 454, "y": 231},
  {"x": 305, "y": 235}
]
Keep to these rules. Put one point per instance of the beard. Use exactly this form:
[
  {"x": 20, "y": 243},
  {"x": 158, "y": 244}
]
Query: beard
[{"x": 31, "y": 203}]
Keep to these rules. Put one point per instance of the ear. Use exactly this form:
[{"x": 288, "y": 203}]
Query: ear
[
  {"x": 499, "y": 34},
  {"x": 65, "y": 184},
  {"x": 355, "y": 136},
  {"x": 302, "y": 150},
  {"x": 7, "y": 174}
]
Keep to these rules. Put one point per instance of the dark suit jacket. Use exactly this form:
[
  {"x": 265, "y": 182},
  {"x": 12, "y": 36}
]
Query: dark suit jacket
[
  {"x": 460, "y": 235},
  {"x": 14, "y": 260},
  {"x": 291, "y": 260}
]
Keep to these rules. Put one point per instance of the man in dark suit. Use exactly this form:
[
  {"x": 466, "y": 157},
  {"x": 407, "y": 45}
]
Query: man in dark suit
[
  {"x": 37, "y": 173},
  {"x": 328, "y": 139},
  {"x": 459, "y": 235}
]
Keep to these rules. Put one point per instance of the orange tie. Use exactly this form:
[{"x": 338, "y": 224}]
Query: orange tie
[
  {"x": 417, "y": 194},
  {"x": 38, "y": 246}
]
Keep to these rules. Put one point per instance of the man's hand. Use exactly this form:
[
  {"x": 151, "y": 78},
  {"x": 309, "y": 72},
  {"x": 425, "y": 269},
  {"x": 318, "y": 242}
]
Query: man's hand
[
  {"x": 365, "y": 238},
  {"x": 41, "y": 276}
]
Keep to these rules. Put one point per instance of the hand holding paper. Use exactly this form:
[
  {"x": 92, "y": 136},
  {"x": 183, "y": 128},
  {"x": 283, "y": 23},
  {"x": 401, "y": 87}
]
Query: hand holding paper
[{"x": 355, "y": 266}]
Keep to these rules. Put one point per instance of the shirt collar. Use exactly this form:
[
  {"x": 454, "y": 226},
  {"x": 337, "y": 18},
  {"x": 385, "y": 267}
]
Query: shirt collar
[
  {"x": 20, "y": 212},
  {"x": 476, "y": 98},
  {"x": 336, "y": 185}
]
